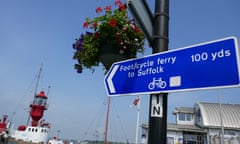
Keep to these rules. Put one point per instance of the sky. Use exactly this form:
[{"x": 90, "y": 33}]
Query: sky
[{"x": 35, "y": 33}]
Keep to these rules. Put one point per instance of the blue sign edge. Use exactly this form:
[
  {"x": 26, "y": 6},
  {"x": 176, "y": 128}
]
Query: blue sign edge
[{"x": 179, "y": 49}]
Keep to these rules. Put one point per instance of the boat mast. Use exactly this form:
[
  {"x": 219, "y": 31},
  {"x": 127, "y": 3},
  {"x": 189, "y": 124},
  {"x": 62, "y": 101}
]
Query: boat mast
[
  {"x": 39, "y": 74},
  {"x": 35, "y": 92},
  {"x": 106, "y": 127}
]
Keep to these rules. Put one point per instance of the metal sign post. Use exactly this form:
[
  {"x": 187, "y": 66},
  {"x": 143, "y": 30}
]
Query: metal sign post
[{"x": 157, "y": 131}]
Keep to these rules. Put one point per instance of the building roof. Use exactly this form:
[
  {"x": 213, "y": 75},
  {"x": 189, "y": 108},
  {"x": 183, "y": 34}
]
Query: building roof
[
  {"x": 211, "y": 115},
  {"x": 184, "y": 110},
  {"x": 181, "y": 127}
]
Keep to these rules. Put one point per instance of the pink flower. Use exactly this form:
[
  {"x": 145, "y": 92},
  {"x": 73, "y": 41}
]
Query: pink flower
[
  {"x": 118, "y": 2},
  {"x": 125, "y": 28}
]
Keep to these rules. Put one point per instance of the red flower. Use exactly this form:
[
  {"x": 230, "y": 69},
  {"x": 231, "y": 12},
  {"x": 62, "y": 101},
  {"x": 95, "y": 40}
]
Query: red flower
[
  {"x": 98, "y": 9},
  {"x": 113, "y": 22},
  {"x": 94, "y": 24},
  {"x": 96, "y": 35},
  {"x": 108, "y": 8},
  {"x": 85, "y": 24},
  {"x": 120, "y": 5},
  {"x": 138, "y": 30}
]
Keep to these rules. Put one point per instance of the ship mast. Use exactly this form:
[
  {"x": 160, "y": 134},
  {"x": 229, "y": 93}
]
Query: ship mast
[
  {"x": 36, "y": 87},
  {"x": 106, "y": 127},
  {"x": 38, "y": 78}
]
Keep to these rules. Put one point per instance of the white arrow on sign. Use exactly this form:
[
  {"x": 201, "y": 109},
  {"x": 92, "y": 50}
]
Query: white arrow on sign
[{"x": 109, "y": 79}]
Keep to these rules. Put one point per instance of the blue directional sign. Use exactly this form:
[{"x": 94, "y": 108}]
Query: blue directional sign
[{"x": 213, "y": 64}]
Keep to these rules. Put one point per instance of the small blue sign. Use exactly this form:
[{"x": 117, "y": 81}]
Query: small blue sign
[{"x": 213, "y": 64}]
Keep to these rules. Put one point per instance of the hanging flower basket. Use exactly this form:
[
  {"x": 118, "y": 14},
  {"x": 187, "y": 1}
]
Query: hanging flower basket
[
  {"x": 109, "y": 38},
  {"x": 109, "y": 54}
]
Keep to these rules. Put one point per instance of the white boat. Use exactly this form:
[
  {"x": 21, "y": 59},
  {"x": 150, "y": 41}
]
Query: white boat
[
  {"x": 55, "y": 140},
  {"x": 37, "y": 132}
]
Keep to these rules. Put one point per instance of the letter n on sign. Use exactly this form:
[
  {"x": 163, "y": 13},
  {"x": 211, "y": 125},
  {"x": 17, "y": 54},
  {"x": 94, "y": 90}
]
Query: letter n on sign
[{"x": 157, "y": 108}]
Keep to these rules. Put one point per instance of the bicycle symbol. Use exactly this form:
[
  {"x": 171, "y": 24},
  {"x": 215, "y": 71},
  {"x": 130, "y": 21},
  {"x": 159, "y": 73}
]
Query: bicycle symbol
[{"x": 159, "y": 83}]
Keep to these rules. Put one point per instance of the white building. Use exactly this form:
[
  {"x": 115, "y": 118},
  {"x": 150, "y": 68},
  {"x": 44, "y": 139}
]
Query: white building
[{"x": 203, "y": 124}]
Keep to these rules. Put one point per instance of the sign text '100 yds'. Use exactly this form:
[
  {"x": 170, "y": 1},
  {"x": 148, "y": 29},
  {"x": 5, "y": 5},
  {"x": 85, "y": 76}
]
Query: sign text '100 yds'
[{"x": 210, "y": 56}]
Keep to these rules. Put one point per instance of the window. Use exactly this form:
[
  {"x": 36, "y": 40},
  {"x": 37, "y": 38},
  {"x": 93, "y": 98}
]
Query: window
[
  {"x": 40, "y": 101},
  {"x": 188, "y": 117},
  {"x": 184, "y": 117},
  {"x": 170, "y": 140},
  {"x": 193, "y": 138},
  {"x": 181, "y": 116}
]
